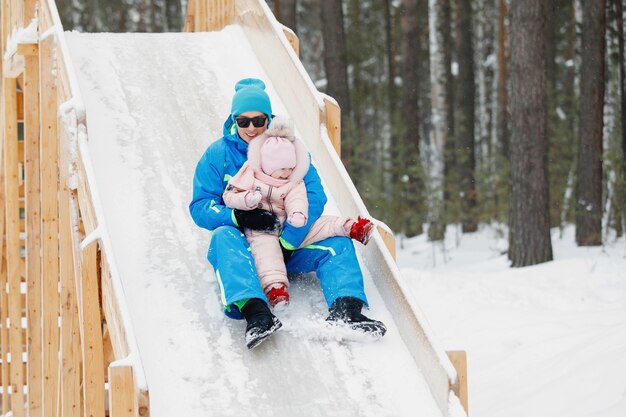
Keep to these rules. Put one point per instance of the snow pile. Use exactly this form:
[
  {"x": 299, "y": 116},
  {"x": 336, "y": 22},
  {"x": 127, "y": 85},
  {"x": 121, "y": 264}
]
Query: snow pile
[
  {"x": 22, "y": 35},
  {"x": 541, "y": 341}
]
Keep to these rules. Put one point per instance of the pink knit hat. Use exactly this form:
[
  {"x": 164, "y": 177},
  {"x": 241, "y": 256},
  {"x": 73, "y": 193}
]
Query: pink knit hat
[{"x": 277, "y": 153}]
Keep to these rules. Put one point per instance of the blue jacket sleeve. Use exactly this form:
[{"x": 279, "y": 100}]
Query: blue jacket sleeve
[
  {"x": 292, "y": 237},
  {"x": 207, "y": 207}
]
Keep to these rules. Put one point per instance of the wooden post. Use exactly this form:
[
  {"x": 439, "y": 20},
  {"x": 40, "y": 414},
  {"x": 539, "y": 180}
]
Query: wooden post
[
  {"x": 93, "y": 356},
  {"x": 201, "y": 23},
  {"x": 333, "y": 123},
  {"x": 293, "y": 39},
  {"x": 4, "y": 307},
  {"x": 190, "y": 17},
  {"x": 33, "y": 231},
  {"x": 389, "y": 239},
  {"x": 122, "y": 399},
  {"x": 49, "y": 228},
  {"x": 70, "y": 332},
  {"x": 459, "y": 361},
  {"x": 11, "y": 195},
  {"x": 29, "y": 14}
]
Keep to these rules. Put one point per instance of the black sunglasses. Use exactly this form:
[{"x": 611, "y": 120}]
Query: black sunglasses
[{"x": 256, "y": 121}]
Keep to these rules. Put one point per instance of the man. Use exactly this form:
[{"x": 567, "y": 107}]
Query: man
[{"x": 333, "y": 259}]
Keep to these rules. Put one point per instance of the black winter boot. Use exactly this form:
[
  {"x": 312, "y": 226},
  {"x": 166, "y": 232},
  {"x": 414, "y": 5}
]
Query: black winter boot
[
  {"x": 346, "y": 311},
  {"x": 261, "y": 322}
]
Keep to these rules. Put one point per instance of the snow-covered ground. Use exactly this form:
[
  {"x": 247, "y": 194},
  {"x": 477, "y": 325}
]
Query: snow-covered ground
[{"x": 542, "y": 341}]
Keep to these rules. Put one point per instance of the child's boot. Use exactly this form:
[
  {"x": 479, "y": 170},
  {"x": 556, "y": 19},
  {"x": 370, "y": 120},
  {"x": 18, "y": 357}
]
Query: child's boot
[{"x": 362, "y": 230}]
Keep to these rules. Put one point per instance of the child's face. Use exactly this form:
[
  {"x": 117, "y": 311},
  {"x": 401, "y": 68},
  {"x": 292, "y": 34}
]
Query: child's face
[{"x": 282, "y": 173}]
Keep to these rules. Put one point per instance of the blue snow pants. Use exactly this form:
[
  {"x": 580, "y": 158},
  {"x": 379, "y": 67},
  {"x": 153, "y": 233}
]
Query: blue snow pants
[{"x": 333, "y": 260}]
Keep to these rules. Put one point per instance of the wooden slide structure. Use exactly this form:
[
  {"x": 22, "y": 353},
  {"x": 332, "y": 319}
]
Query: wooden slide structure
[{"x": 68, "y": 347}]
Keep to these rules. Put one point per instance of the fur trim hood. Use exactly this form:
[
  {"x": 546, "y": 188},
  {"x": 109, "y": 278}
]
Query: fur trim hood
[{"x": 280, "y": 127}]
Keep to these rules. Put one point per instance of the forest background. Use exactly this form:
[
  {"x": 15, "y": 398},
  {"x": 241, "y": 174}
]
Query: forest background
[{"x": 461, "y": 112}]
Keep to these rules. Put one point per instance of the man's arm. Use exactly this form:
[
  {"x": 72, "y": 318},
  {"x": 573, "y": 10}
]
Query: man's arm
[{"x": 207, "y": 207}]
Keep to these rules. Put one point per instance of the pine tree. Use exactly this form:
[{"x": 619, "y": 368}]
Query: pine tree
[
  {"x": 589, "y": 183},
  {"x": 529, "y": 224}
]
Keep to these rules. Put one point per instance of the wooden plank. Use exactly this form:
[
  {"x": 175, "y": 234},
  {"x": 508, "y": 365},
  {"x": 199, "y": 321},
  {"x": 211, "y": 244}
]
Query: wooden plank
[
  {"x": 85, "y": 204},
  {"x": 122, "y": 399},
  {"x": 29, "y": 12},
  {"x": 45, "y": 17},
  {"x": 112, "y": 314},
  {"x": 28, "y": 49},
  {"x": 93, "y": 356},
  {"x": 202, "y": 16},
  {"x": 33, "y": 232},
  {"x": 49, "y": 228},
  {"x": 20, "y": 102},
  {"x": 70, "y": 328},
  {"x": 459, "y": 360},
  {"x": 4, "y": 332},
  {"x": 190, "y": 16},
  {"x": 11, "y": 195}
]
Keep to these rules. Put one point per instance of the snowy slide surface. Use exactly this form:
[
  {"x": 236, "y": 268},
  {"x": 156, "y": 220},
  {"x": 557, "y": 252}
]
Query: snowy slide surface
[{"x": 154, "y": 102}]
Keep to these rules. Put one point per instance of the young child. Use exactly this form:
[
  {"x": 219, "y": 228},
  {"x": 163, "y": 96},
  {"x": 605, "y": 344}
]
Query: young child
[{"x": 272, "y": 179}]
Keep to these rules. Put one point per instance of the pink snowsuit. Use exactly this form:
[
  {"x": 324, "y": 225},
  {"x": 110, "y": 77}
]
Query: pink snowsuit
[{"x": 283, "y": 198}]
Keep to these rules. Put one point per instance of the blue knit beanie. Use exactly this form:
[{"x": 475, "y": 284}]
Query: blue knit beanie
[{"x": 250, "y": 95}]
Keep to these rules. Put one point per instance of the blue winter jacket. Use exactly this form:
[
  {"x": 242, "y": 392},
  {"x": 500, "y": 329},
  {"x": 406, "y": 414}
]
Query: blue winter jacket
[{"x": 220, "y": 162}]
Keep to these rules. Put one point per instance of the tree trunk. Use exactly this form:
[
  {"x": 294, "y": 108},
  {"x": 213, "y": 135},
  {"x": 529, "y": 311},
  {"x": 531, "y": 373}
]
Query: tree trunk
[
  {"x": 589, "y": 184},
  {"x": 174, "y": 16},
  {"x": 619, "y": 16},
  {"x": 288, "y": 14},
  {"x": 503, "y": 96},
  {"x": 440, "y": 107},
  {"x": 411, "y": 179},
  {"x": 451, "y": 175},
  {"x": 529, "y": 220},
  {"x": 465, "y": 117},
  {"x": 335, "y": 63}
]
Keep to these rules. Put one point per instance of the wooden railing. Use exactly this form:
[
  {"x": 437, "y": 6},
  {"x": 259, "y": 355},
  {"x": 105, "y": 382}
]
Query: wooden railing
[{"x": 65, "y": 339}]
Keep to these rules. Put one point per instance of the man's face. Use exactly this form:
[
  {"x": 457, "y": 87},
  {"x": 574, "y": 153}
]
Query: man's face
[{"x": 248, "y": 119}]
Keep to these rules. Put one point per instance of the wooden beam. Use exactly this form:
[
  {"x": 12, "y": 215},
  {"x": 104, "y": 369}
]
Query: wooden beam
[
  {"x": 190, "y": 17},
  {"x": 459, "y": 360},
  {"x": 122, "y": 399},
  {"x": 4, "y": 308},
  {"x": 112, "y": 314},
  {"x": 93, "y": 355},
  {"x": 70, "y": 327},
  {"x": 28, "y": 49},
  {"x": 85, "y": 204},
  {"x": 11, "y": 195},
  {"x": 33, "y": 232},
  {"x": 49, "y": 228},
  {"x": 29, "y": 12}
]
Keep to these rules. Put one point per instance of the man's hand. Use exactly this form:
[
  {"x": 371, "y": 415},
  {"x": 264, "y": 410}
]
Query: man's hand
[{"x": 257, "y": 219}]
